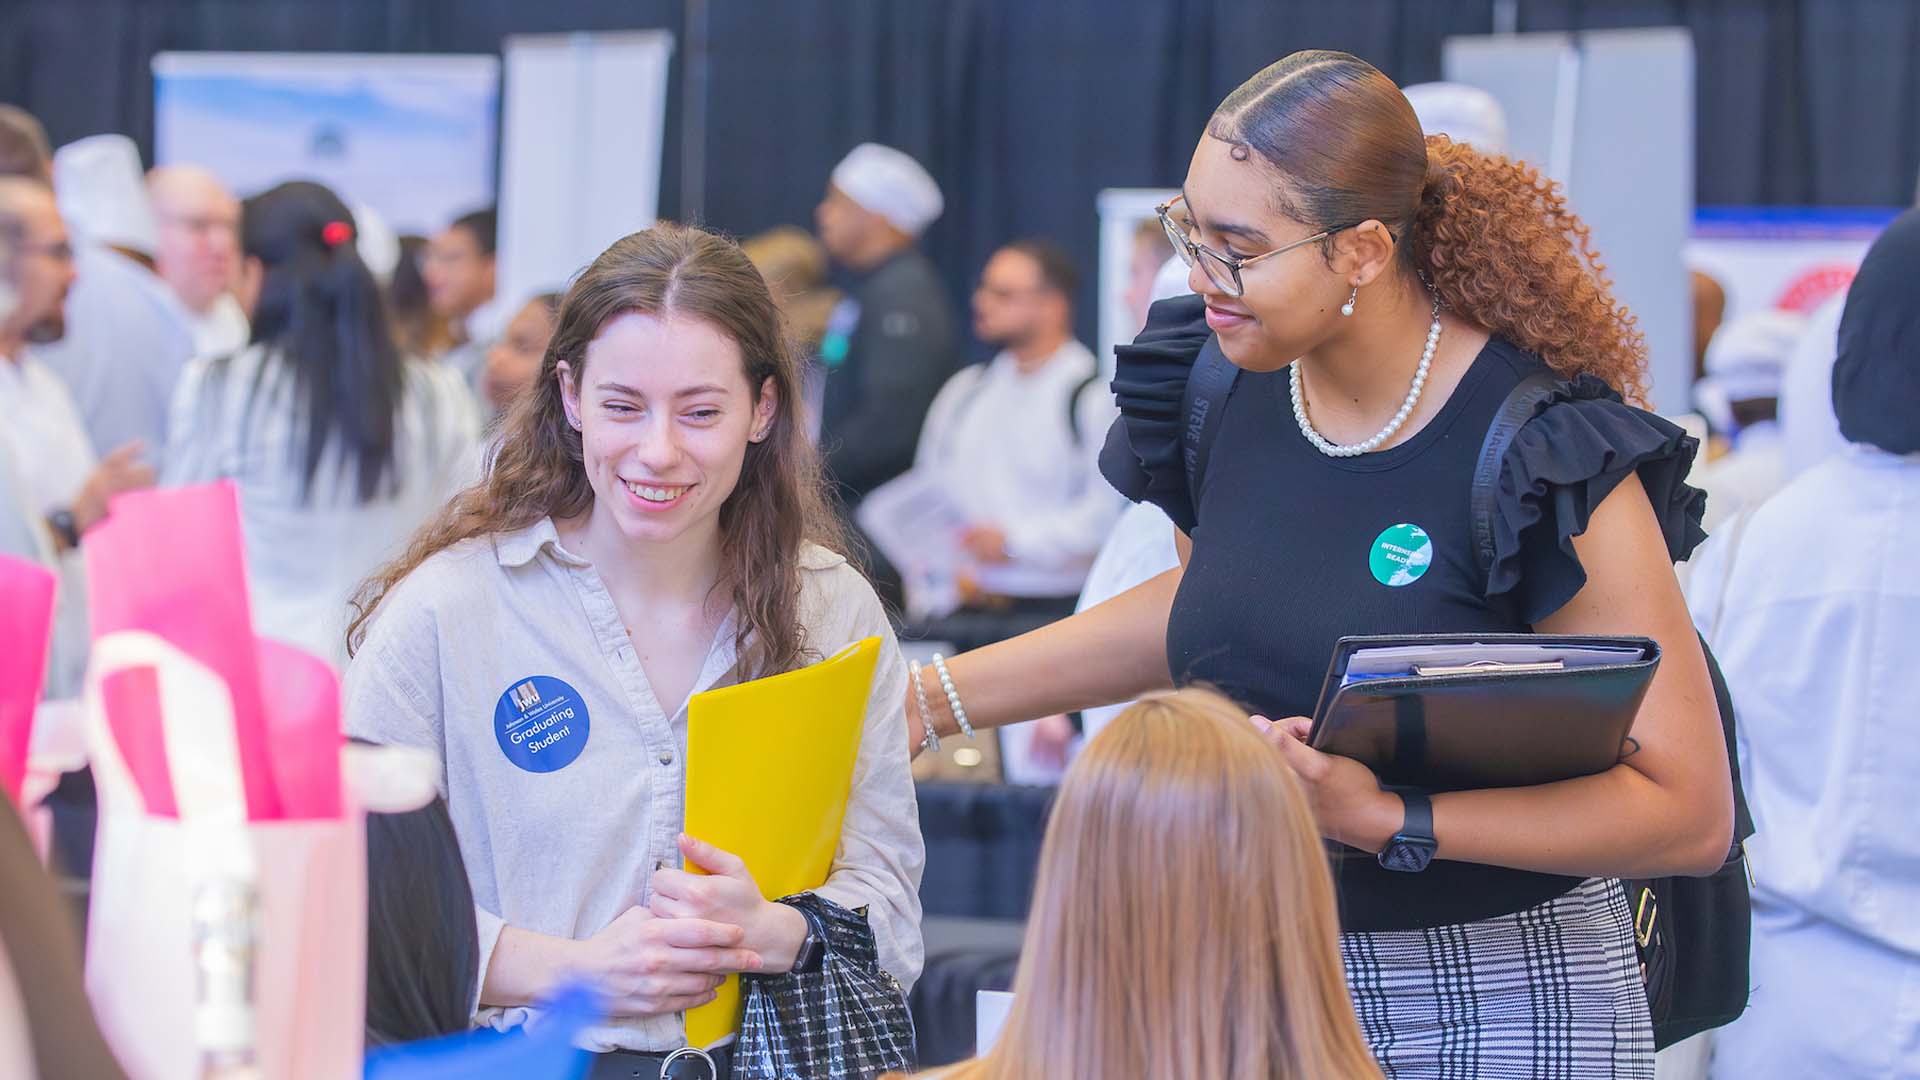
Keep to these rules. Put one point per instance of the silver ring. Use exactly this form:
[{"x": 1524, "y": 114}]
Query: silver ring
[{"x": 690, "y": 1053}]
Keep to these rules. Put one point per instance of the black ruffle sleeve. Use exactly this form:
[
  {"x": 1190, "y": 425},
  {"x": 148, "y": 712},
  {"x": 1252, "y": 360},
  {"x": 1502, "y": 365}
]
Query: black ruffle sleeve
[
  {"x": 1142, "y": 457},
  {"x": 1581, "y": 444}
]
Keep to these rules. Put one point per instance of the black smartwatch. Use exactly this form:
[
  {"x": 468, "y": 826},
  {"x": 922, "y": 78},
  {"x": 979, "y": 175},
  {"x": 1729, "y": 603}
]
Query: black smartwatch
[
  {"x": 62, "y": 523},
  {"x": 1412, "y": 848},
  {"x": 814, "y": 948}
]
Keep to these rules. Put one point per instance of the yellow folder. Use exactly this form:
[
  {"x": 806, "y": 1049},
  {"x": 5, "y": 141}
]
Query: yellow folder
[{"x": 769, "y": 766}]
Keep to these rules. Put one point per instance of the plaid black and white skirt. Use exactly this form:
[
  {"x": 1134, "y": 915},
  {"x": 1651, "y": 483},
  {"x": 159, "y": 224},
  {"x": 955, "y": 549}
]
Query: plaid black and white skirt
[{"x": 1552, "y": 991}]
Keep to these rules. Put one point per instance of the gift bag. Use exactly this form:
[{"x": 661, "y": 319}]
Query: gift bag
[
  {"x": 171, "y": 562},
  {"x": 308, "y": 877},
  {"x": 26, "y": 627}
]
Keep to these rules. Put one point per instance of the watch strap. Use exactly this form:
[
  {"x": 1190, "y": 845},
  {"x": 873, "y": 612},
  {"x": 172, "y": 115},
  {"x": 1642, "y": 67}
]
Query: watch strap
[
  {"x": 813, "y": 948},
  {"x": 62, "y": 522},
  {"x": 1412, "y": 848},
  {"x": 1419, "y": 821}
]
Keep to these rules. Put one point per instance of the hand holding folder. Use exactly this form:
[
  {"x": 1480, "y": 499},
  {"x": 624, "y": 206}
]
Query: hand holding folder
[
  {"x": 1448, "y": 712},
  {"x": 769, "y": 768}
]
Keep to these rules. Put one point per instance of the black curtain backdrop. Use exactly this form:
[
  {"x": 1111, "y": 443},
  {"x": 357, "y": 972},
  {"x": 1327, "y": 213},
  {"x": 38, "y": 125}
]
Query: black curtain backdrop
[{"x": 1023, "y": 109}]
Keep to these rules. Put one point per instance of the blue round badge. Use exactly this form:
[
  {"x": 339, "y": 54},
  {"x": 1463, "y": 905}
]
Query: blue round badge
[{"x": 541, "y": 723}]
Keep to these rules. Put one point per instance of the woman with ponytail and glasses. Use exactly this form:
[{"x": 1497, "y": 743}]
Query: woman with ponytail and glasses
[
  {"x": 1381, "y": 293},
  {"x": 339, "y": 447},
  {"x": 653, "y": 525}
]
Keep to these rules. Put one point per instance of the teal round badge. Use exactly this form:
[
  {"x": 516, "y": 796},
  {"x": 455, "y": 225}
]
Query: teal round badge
[{"x": 1401, "y": 555}]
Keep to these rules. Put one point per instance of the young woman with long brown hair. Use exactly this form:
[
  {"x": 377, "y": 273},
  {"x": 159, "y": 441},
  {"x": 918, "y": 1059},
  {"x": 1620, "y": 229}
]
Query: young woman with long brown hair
[
  {"x": 1381, "y": 294},
  {"x": 1183, "y": 921},
  {"x": 652, "y": 526}
]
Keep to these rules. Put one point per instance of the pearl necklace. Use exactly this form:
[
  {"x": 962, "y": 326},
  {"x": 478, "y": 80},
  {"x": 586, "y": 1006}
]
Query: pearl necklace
[{"x": 1372, "y": 442}]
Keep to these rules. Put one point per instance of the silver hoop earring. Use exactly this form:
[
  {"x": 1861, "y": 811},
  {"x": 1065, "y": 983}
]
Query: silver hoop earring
[{"x": 1346, "y": 309}]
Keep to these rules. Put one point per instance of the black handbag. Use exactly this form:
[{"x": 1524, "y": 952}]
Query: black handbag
[
  {"x": 1694, "y": 934},
  {"x": 846, "y": 1020}
]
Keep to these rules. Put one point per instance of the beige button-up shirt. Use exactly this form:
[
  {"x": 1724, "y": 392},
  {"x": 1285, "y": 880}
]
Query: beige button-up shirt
[{"x": 561, "y": 827}]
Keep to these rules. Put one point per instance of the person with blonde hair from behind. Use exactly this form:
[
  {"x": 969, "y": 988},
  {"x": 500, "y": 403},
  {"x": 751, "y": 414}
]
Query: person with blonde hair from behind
[{"x": 1179, "y": 969}]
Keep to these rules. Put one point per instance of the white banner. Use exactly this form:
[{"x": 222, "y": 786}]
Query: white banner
[
  {"x": 412, "y": 137},
  {"x": 580, "y": 161}
]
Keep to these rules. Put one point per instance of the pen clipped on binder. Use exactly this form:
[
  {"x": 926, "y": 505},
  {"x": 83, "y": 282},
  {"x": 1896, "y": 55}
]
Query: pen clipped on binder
[{"x": 1485, "y": 667}]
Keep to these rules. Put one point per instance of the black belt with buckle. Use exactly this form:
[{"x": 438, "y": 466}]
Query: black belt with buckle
[{"x": 685, "y": 1063}]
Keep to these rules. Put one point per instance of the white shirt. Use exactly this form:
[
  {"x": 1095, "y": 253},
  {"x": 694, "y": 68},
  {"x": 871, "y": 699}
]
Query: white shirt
[
  {"x": 1806, "y": 391},
  {"x": 1139, "y": 548},
  {"x": 306, "y": 558},
  {"x": 563, "y": 852},
  {"x": 127, "y": 340},
  {"x": 222, "y": 328},
  {"x": 1812, "y": 607},
  {"x": 469, "y": 360},
  {"x": 999, "y": 442},
  {"x": 44, "y": 429},
  {"x": 24, "y": 535},
  {"x": 48, "y": 459},
  {"x": 23, "y": 530},
  {"x": 1745, "y": 476}
]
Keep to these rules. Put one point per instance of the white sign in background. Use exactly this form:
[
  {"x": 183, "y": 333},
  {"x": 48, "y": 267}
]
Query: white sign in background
[
  {"x": 1786, "y": 258},
  {"x": 583, "y": 123},
  {"x": 410, "y": 136}
]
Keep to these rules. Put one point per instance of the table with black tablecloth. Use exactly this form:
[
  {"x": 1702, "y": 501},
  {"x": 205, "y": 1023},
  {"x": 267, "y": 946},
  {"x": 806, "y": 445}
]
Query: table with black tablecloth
[{"x": 983, "y": 845}]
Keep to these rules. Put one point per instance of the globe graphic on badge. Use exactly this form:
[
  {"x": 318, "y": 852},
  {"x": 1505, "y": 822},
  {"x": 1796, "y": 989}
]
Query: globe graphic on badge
[{"x": 1401, "y": 555}]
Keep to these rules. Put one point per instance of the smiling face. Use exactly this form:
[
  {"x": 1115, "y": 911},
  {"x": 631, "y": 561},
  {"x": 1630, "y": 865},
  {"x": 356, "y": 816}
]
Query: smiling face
[
  {"x": 665, "y": 414},
  {"x": 1291, "y": 301}
]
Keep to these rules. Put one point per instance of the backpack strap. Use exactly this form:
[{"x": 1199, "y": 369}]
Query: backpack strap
[
  {"x": 1522, "y": 402},
  {"x": 1073, "y": 403},
  {"x": 978, "y": 373},
  {"x": 1521, "y": 405},
  {"x": 1203, "y": 403}
]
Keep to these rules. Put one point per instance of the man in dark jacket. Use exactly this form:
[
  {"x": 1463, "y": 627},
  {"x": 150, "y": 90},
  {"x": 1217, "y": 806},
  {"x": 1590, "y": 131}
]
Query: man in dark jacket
[{"x": 890, "y": 345}]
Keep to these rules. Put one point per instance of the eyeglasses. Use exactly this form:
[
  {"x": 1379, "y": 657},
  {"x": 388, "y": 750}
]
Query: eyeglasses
[
  {"x": 1222, "y": 269},
  {"x": 60, "y": 252}
]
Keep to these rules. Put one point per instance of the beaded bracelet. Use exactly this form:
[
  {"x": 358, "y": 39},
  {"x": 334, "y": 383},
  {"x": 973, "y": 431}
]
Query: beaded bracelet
[
  {"x": 932, "y": 741},
  {"x": 953, "y": 696}
]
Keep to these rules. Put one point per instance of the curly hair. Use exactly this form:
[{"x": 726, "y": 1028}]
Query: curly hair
[
  {"x": 780, "y": 502},
  {"x": 1492, "y": 237},
  {"x": 1497, "y": 242}
]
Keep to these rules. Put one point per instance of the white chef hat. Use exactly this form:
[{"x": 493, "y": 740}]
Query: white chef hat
[
  {"x": 891, "y": 184},
  {"x": 1170, "y": 280},
  {"x": 1747, "y": 357},
  {"x": 102, "y": 192},
  {"x": 1465, "y": 114}
]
